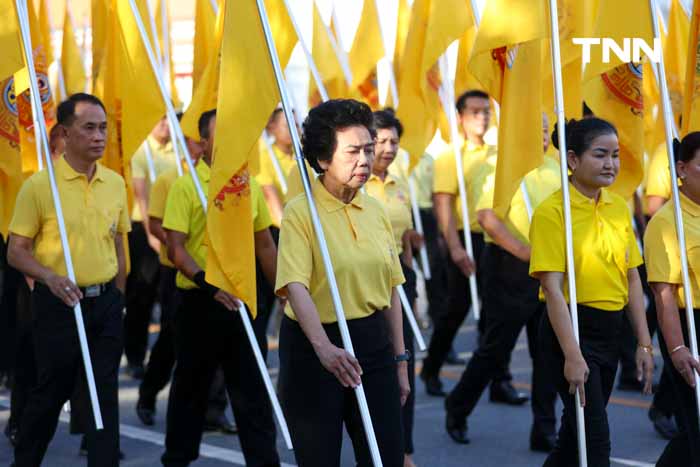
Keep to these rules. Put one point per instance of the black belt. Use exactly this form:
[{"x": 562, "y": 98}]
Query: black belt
[{"x": 96, "y": 290}]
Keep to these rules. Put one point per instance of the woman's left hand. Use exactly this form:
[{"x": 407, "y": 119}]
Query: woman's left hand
[
  {"x": 645, "y": 368},
  {"x": 404, "y": 386}
]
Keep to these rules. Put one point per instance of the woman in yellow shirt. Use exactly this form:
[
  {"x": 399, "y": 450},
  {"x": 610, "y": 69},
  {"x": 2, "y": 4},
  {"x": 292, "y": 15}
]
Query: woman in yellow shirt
[
  {"x": 393, "y": 193},
  {"x": 606, "y": 257},
  {"x": 338, "y": 142},
  {"x": 664, "y": 274}
]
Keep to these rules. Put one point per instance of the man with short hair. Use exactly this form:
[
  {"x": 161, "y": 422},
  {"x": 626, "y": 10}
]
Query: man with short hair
[{"x": 93, "y": 200}]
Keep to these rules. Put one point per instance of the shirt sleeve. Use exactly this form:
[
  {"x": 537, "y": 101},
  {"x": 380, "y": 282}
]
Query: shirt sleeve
[
  {"x": 26, "y": 219},
  {"x": 139, "y": 165},
  {"x": 659, "y": 176},
  {"x": 261, "y": 215},
  {"x": 178, "y": 208},
  {"x": 548, "y": 249},
  {"x": 635, "y": 256},
  {"x": 294, "y": 255},
  {"x": 445, "y": 178},
  {"x": 266, "y": 176},
  {"x": 124, "y": 220},
  {"x": 483, "y": 188},
  {"x": 397, "y": 277},
  {"x": 158, "y": 197},
  {"x": 661, "y": 252}
]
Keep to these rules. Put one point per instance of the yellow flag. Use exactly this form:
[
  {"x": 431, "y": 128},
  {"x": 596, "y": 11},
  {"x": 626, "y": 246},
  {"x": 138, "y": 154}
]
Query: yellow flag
[
  {"x": 326, "y": 60},
  {"x": 24, "y": 108},
  {"x": 11, "y": 59},
  {"x": 617, "y": 96},
  {"x": 654, "y": 127},
  {"x": 402, "y": 25},
  {"x": 11, "y": 176},
  {"x": 434, "y": 25},
  {"x": 618, "y": 20},
  {"x": 205, "y": 97},
  {"x": 507, "y": 59},
  {"x": 45, "y": 25},
  {"x": 242, "y": 112},
  {"x": 691, "y": 102},
  {"x": 367, "y": 48},
  {"x": 675, "y": 55},
  {"x": 205, "y": 45},
  {"x": 162, "y": 16},
  {"x": 72, "y": 67},
  {"x": 464, "y": 80}
]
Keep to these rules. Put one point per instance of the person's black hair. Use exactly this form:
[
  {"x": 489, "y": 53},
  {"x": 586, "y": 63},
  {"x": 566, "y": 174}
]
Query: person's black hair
[
  {"x": 386, "y": 119},
  {"x": 686, "y": 149},
  {"x": 203, "y": 123},
  {"x": 65, "y": 113},
  {"x": 461, "y": 103},
  {"x": 581, "y": 133},
  {"x": 318, "y": 140},
  {"x": 587, "y": 112}
]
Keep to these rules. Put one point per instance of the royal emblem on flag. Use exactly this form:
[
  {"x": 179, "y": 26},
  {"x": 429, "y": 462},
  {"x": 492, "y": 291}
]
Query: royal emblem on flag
[
  {"x": 238, "y": 186},
  {"x": 625, "y": 83},
  {"x": 8, "y": 112}
]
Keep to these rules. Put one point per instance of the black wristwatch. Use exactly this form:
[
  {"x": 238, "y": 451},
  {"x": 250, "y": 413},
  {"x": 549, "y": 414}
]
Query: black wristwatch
[{"x": 404, "y": 357}]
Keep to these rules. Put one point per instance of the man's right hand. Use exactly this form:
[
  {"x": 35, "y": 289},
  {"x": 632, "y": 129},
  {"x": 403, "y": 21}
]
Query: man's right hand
[
  {"x": 465, "y": 264},
  {"x": 63, "y": 288},
  {"x": 226, "y": 299}
]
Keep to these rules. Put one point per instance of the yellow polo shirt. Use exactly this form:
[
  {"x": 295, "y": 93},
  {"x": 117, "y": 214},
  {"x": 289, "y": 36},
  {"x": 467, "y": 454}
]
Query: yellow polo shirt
[
  {"x": 184, "y": 213},
  {"x": 362, "y": 249},
  {"x": 604, "y": 247},
  {"x": 163, "y": 160},
  {"x": 394, "y": 196},
  {"x": 156, "y": 205},
  {"x": 445, "y": 179},
  {"x": 294, "y": 185},
  {"x": 539, "y": 183},
  {"x": 658, "y": 181},
  {"x": 94, "y": 213},
  {"x": 662, "y": 253},
  {"x": 422, "y": 175}
]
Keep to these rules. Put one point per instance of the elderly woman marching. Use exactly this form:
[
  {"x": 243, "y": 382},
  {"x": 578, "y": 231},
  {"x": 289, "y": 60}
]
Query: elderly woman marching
[{"x": 317, "y": 375}]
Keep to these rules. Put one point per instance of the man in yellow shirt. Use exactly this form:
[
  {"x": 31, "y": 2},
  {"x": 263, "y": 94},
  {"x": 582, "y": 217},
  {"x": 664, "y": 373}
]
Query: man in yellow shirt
[
  {"x": 95, "y": 213},
  {"x": 142, "y": 283},
  {"x": 510, "y": 300},
  {"x": 209, "y": 331}
]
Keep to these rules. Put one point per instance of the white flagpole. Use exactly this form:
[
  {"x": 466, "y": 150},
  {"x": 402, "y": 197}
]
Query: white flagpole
[
  {"x": 214, "y": 6},
  {"x": 680, "y": 229},
  {"x": 570, "y": 267},
  {"x": 307, "y": 53},
  {"x": 165, "y": 25},
  {"x": 328, "y": 266},
  {"x": 418, "y": 221},
  {"x": 447, "y": 100},
  {"x": 40, "y": 134},
  {"x": 275, "y": 162},
  {"x": 149, "y": 161},
  {"x": 180, "y": 138},
  {"x": 412, "y": 322}
]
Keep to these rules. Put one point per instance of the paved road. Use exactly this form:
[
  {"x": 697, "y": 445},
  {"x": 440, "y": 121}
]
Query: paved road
[{"x": 499, "y": 433}]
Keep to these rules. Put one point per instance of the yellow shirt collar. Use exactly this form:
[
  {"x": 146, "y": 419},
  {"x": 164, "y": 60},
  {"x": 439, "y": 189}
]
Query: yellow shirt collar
[
  {"x": 387, "y": 180},
  {"x": 329, "y": 202},
  {"x": 689, "y": 206},
  {"x": 68, "y": 173},
  {"x": 579, "y": 198},
  {"x": 203, "y": 170}
]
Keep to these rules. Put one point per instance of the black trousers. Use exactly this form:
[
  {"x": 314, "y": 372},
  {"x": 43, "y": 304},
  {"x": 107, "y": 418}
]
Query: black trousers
[
  {"x": 266, "y": 300},
  {"x": 685, "y": 448},
  {"x": 141, "y": 294},
  {"x": 162, "y": 359},
  {"x": 208, "y": 335},
  {"x": 450, "y": 318},
  {"x": 510, "y": 303},
  {"x": 316, "y": 405},
  {"x": 59, "y": 365},
  {"x": 24, "y": 372},
  {"x": 408, "y": 409},
  {"x": 599, "y": 332},
  {"x": 435, "y": 288},
  {"x": 10, "y": 283}
]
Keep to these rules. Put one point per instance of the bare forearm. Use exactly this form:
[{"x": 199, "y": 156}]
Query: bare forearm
[
  {"x": 446, "y": 221},
  {"x": 274, "y": 202},
  {"x": 183, "y": 261},
  {"x": 654, "y": 203},
  {"x": 156, "y": 227},
  {"x": 120, "y": 278},
  {"x": 395, "y": 319},
  {"x": 667, "y": 313},
  {"x": 560, "y": 319},
  {"x": 23, "y": 260},
  {"x": 307, "y": 315},
  {"x": 635, "y": 311}
]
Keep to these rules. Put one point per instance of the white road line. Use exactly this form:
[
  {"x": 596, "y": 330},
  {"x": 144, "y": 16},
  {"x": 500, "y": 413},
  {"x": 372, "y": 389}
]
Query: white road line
[
  {"x": 148, "y": 436},
  {"x": 629, "y": 462}
]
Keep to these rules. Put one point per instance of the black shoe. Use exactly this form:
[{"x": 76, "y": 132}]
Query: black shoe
[
  {"x": 456, "y": 427},
  {"x": 433, "y": 385},
  {"x": 135, "y": 371},
  {"x": 503, "y": 392},
  {"x": 542, "y": 443},
  {"x": 146, "y": 414},
  {"x": 11, "y": 433},
  {"x": 83, "y": 451},
  {"x": 453, "y": 359},
  {"x": 222, "y": 424},
  {"x": 663, "y": 424}
]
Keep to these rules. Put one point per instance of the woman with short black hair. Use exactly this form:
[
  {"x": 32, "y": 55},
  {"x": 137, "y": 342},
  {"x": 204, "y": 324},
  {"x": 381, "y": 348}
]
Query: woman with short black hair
[{"x": 317, "y": 376}]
